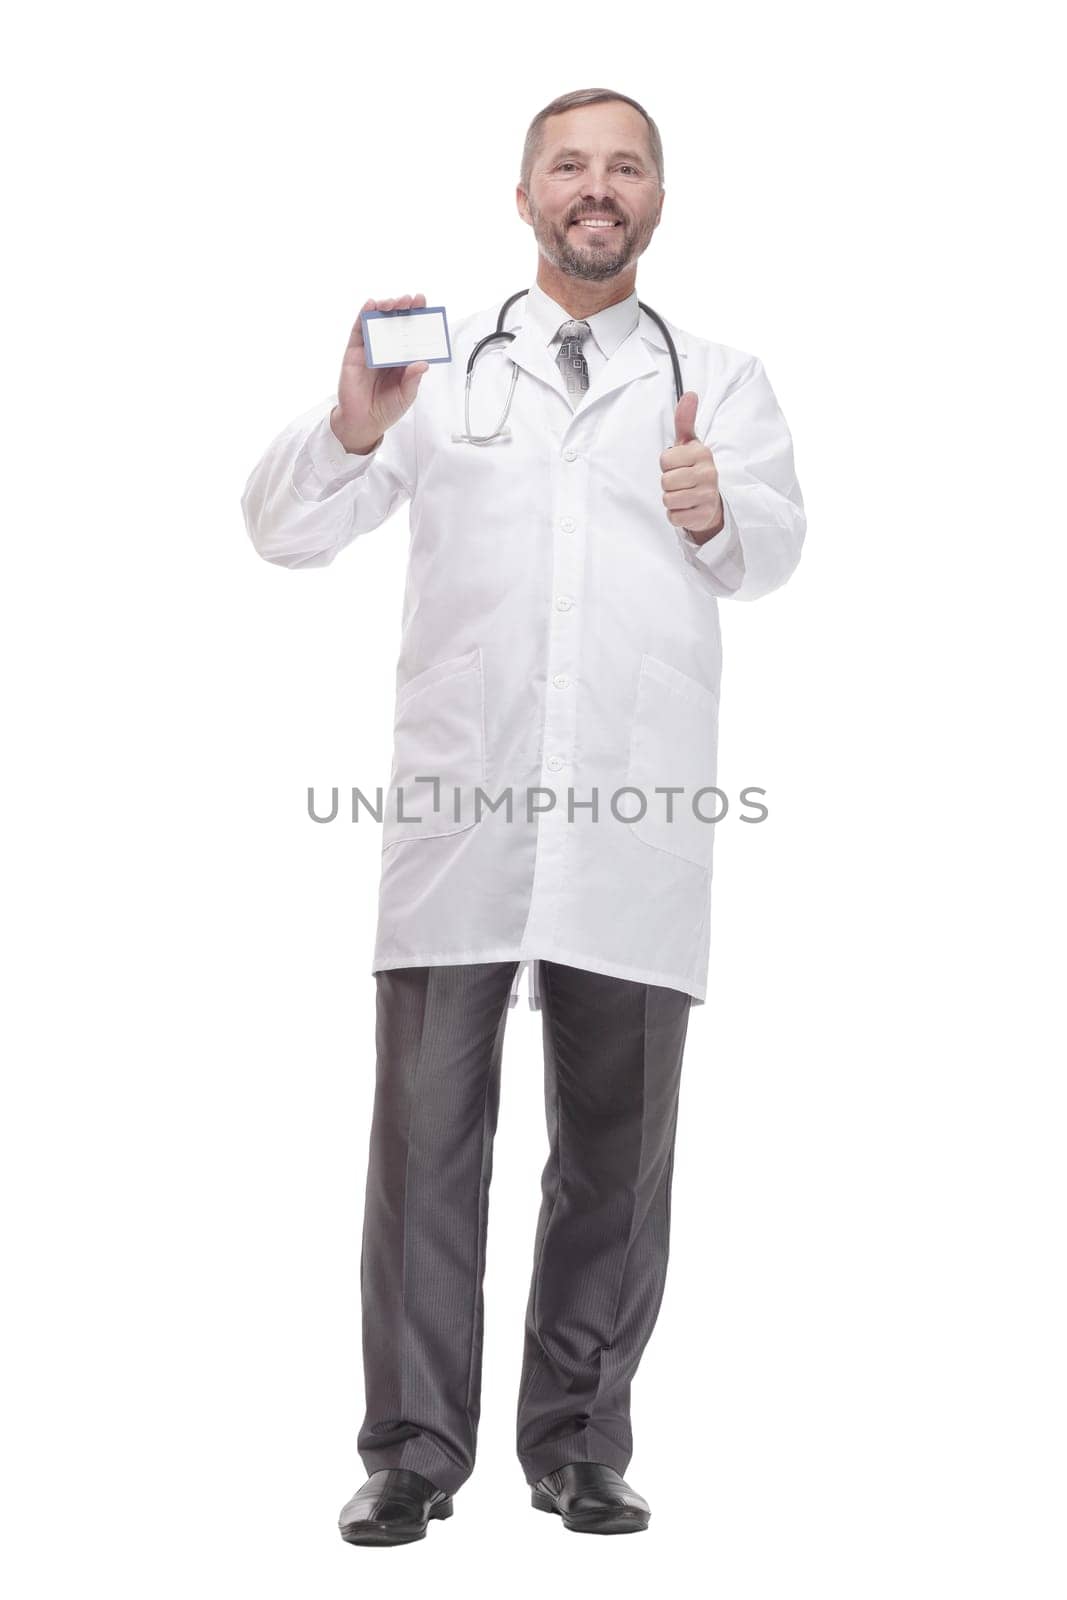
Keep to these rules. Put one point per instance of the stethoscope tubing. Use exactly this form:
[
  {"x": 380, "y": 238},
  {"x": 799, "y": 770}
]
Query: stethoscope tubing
[{"x": 503, "y": 432}]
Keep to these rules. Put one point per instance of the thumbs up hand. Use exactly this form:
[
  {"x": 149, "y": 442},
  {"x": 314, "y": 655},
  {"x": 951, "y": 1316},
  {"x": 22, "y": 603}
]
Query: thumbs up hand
[{"x": 690, "y": 478}]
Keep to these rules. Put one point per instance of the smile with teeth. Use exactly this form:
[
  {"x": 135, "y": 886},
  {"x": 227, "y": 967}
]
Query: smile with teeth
[{"x": 596, "y": 222}]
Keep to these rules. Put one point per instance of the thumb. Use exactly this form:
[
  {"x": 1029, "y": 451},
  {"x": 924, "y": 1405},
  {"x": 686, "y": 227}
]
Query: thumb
[{"x": 685, "y": 416}]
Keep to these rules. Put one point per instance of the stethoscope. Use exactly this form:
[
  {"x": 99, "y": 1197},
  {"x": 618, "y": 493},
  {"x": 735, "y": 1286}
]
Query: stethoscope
[{"x": 503, "y": 432}]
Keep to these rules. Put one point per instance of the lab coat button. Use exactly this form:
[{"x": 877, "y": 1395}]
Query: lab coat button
[
  {"x": 561, "y": 680},
  {"x": 563, "y": 602},
  {"x": 554, "y": 763},
  {"x": 570, "y": 455},
  {"x": 567, "y": 524}
]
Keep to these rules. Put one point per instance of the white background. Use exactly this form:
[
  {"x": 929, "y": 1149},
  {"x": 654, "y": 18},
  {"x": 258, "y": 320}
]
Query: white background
[{"x": 856, "y": 1385}]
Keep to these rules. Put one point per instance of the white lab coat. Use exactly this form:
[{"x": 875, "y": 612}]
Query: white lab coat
[{"x": 559, "y": 634}]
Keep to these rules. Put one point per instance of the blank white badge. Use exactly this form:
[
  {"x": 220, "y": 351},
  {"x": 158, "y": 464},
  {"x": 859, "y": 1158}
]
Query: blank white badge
[{"x": 395, "y": 338}]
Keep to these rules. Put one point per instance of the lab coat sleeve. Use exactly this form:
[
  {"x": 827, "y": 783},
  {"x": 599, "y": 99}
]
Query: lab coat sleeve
[
  {"x": 761, "y": 538},
  {"x": 307, "y": 497}
]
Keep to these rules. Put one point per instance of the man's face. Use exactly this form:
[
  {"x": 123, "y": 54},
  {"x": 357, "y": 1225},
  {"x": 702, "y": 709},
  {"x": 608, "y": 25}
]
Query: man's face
[{"x": 595, "y": 161}]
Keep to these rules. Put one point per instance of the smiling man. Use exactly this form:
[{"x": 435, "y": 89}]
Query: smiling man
[
  {"x": 587, "y": 243},
  {"x": 554, "y": 751}
]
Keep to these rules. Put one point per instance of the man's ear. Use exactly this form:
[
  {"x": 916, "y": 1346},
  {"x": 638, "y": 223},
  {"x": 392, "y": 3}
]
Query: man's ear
[{"x": 522, "y": 203}]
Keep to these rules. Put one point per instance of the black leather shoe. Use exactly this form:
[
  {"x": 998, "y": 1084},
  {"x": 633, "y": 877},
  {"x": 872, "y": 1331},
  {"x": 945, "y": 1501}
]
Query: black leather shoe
[
  {"x": 591, "y": 1498},
  {"x": 393, "y": 1507}
]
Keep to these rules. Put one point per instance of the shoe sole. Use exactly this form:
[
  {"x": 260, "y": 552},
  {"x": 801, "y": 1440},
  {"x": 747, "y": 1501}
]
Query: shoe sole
[
  {"x": 380, "y": 1533},
  {"x": 621, "y": 1521}
]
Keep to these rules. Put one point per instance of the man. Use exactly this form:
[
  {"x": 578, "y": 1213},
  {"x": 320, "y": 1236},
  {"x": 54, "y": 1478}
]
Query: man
[{"x": 561, "y": 652}]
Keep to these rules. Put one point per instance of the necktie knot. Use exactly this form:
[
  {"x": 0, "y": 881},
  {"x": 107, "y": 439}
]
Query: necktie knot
[{"x": 569, "y": 358}]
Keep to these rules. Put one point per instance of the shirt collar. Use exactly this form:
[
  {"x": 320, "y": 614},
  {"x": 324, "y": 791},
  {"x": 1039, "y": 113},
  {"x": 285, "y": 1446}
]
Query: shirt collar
[{"x": 608, "y": 327}]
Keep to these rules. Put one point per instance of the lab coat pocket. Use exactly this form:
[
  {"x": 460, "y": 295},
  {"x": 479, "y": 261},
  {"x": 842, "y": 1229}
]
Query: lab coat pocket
[
  {"x": 438, "y": 751},
  {"x": 673, "y": 743}
]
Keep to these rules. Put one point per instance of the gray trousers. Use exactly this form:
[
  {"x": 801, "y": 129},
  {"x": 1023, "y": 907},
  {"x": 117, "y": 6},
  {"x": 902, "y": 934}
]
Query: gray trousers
[{"x": 613, "y": 1055}]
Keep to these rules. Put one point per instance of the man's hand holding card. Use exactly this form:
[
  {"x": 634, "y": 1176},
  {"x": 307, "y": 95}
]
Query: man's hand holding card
[{"x": 392, "y": 343}]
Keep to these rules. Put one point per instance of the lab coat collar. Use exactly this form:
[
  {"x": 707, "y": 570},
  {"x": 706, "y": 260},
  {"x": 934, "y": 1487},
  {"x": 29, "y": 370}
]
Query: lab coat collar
[{"x": 540, "y": 320}]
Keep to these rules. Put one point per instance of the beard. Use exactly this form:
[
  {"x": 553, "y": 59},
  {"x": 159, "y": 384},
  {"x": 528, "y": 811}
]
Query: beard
[{"x": 595, "y": 258}]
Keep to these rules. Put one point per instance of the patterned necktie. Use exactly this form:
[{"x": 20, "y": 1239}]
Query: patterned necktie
[{"x": 569, "y": 357}]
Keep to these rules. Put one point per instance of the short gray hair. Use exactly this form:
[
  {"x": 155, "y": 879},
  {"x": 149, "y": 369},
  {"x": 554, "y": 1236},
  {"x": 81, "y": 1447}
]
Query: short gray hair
[{"x": 566, "y": 102}]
